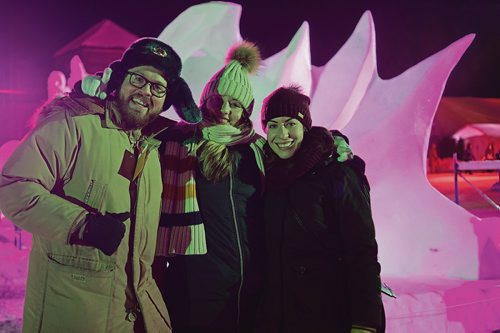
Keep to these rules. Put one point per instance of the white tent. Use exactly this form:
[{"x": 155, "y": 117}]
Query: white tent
[
  {"x": 479, "y": 136},
  {"x": 474, "y": 130}
]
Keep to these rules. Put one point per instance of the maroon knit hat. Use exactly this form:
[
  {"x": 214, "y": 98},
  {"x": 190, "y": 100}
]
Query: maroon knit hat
[{"x": 287, "y": 102}]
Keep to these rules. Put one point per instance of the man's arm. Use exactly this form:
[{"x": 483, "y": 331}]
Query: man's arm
[
  {"x": 33, "y": 175},
  {"x": 360, "y": 252}
]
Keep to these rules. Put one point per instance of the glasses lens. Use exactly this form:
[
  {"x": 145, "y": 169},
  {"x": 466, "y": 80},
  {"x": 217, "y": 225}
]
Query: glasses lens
[
  {"x": 137, "y": 80},
  {"x": 158, "y": 90}
]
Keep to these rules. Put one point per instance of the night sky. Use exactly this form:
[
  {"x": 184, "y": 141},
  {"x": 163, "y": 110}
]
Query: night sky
[{"x": 406, "y": 34}]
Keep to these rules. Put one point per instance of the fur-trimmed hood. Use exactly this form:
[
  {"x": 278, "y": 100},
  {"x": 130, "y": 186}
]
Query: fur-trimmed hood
[{"x": 75, "y": 106}]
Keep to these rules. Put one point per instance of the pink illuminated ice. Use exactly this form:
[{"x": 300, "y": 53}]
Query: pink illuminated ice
[{"x": 420, "y": 232}]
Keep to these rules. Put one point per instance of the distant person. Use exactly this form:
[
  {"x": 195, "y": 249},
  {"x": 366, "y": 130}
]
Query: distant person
[
  {"x": 460, "y": 149},
  {"x": 468, "y": 156},
  {"x": 433, "y": 159},
  {"x": 489, "y": 154}
]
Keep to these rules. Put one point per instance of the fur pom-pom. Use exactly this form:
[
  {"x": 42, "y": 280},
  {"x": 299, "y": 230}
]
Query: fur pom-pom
[{"x": 247, "y": 54}]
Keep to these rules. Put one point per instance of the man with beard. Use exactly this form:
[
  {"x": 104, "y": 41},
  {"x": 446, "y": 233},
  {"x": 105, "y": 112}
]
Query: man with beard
[{"x": 86, "y": 183}]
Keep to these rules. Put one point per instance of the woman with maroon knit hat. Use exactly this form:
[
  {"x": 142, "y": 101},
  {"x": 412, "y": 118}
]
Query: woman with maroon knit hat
[{"x": 322, "y": 271}]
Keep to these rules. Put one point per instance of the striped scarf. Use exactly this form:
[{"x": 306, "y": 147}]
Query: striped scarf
[{"x": 181, "y": 230}]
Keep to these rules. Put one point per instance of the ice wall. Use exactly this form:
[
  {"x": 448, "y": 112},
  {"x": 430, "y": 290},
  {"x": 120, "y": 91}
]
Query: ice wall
[{"x": 420, "y": 232}]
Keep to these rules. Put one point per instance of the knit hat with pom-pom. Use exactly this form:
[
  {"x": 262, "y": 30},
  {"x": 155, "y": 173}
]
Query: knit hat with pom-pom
[{"x": 233, "y": 79}]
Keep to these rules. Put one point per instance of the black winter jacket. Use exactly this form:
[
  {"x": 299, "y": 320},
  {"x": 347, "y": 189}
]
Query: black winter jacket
[
  {"x": 220, "y": 291},
  {"x": 323, "y": 273}
]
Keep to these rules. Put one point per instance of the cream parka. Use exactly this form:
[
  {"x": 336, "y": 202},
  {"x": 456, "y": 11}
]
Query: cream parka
[{"x": 75, "y": 161}]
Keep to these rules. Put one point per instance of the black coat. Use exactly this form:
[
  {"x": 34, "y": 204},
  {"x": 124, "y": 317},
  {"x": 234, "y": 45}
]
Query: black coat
[
  {"x": 220, "y": 291},
  {"x": 323, "y": 273}
]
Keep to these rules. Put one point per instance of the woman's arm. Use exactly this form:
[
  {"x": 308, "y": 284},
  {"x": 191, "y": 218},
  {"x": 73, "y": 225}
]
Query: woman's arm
[{"x": 360, "y": 250}]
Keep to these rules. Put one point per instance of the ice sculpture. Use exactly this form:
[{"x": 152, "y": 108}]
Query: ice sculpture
[
  {"x": 420, "y": 232},
  {"x": 201, "y": 35},
  {"x": 56, "y": 82},
  {"x": 56, "y": 85},
  {"x": 77, "y": 71},
  {"x": 6, "y": 150}
]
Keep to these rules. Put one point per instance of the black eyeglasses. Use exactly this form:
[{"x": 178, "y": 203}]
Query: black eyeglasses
[{"x": 139, "y": 81}]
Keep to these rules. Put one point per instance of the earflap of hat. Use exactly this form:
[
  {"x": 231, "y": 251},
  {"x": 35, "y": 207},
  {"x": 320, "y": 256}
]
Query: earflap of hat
[
  {"x": 118, "y": 73},
  {"x": 181, "y": 98}
]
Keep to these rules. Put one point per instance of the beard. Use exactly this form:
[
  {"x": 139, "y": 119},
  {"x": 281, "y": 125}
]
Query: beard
[{"x": 133, "y": 120}]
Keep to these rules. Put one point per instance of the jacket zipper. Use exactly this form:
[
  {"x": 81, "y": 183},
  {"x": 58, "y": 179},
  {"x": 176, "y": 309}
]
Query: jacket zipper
[
  {"x": 240, "y": 252},
  {"x": 133, "y": 233},
  {"x": 298, "y": 219}
]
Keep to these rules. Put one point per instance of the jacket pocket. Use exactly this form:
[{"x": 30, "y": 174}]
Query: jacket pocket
[
  {"x": 88, "y": 259},
  {"x": 77, "y": 295},
  {"x": 95, "y": 195}
]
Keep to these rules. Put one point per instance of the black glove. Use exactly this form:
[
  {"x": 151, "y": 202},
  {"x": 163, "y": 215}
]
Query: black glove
[{"x": 104, "y": 232}]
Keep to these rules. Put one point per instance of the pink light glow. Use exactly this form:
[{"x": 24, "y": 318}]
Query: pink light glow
[
  {"x": 388, "y": 121},
  {"x": 441, "y": 260},
  {"x": 12, "y": 92}
]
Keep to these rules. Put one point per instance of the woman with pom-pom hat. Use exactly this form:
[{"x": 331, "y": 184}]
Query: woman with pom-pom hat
[{"x": 209, "y": 249}]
